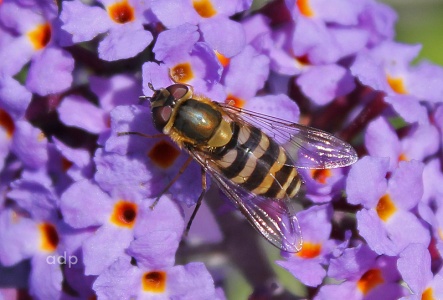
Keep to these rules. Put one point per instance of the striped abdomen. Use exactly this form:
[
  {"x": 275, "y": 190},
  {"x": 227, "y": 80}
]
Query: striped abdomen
[{"x": 257, "y": 163}]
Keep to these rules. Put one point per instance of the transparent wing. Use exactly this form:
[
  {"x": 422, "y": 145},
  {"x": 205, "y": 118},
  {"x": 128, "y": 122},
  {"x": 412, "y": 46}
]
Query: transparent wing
[
  {"x": 273, "y": 218},
  {"x": 308, "y": 147}
]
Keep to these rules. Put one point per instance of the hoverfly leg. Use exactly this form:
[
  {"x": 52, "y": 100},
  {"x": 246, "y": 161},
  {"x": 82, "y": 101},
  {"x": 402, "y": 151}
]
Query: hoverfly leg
[
  {"x": 149, "y": 136},
  {"x": 180, "y": 172},
  {"x": 199, "y": 202}
]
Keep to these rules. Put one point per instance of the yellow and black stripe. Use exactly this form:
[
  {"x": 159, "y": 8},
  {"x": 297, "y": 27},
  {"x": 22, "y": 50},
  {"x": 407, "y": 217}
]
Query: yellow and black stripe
[{"x": 257, "y": 163}]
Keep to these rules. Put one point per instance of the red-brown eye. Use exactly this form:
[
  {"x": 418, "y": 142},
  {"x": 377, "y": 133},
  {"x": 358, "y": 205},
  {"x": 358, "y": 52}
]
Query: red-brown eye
[
  {"x": 178, "y": 90},
  {"x": 161, "y": 116}
]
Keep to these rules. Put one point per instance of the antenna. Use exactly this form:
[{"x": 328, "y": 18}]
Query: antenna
[{"x": 151, "y": 86}]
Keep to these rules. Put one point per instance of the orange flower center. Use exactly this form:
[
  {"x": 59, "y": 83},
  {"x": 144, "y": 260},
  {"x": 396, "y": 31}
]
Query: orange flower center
[
  {"x": 163, "y": 154},
  {"x": 182, "y": 73},
  {"x": 397, "y": 84},
  {"x": 235, "y": 101},
  {"x": 154, "y": 281},
  {"x": 321, "y": 175},
  {"x": 385, "y": 207},
  {"x": 204, "y": 8},
  {"x": 309, "y": 250},
  {"x": 370, "y": 280},
  {"x": 40, "y": 36},
  {"x": 7, "y": 123},
  {"x": 124, "y": 214},
  {"x": 49, "y": 237},
  {"x": 121, "y": 12},
  {"x": 305, "y": 8},
  {"x": 222, "y": 59}
]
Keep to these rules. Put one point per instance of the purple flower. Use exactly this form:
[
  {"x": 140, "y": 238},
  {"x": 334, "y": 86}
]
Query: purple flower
[
  {"x": 127, "y": 281},
  {"x": 362, "y": 275},
  {"x": 212, "y": 18},
  {"x": 386, "y": 221},
  {"x": 120, "y": 219},
  {"x": 422, "y": 283},
  {"x": 34, "y": 32},
  {"x": 307, "y": 265},
  {"x": 382, "y": 141},
  {"x": 121, "y": 20}
]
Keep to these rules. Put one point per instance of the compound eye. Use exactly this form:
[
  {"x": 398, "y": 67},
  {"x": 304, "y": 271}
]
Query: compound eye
[
  {"x": 161, "y": 116},
  {"x": 178, "y": 90}
]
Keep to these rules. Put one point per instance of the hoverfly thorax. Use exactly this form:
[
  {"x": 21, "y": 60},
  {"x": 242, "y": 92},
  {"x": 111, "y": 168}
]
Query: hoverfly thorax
[{"x": 163, "y": 102}]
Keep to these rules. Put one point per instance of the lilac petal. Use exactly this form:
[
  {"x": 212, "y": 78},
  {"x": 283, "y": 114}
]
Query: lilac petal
[
  {"x": 336, "y": 82},
  {"x": 27, "y": 137},
  {"x": 80, "y": 157},
  {"x": 187, "y": 189},
  {"x": 344, "y": 290},
  {"x": 116, "y": 173},
  {"x": 367, "y": 169},
  {"x": 409, "y": 108},
  {"x": 437, "y": 284},
  {"x": 104, "y": 248},
  {"x": 192, "y": 281},
  {"x": 50, "y": 71},
  {"x": 369, "y": 72},
  {"x": 124, "y": 41},
  {"x": 120, "y": 281},
  {"x": 395, "y": 56},
  {"x": 337, "y": 11},
  {"x": 14, "y": 98},
  {"x": 404, "y": 228},
  {"x": 15, "y": 55},
  {"x": 155, "y": 250},
  {"x": 223, "y": 35},
  {"x": 48, "y": 286},
  {"x": 353, "y": 263},
  {"x": 178, "y": 40},
  {"x": 130, "y": 118},
  {"x": 309, "y": 272},
  {"x": 38, "y": 200},
  {"x": 120, "y": 89},
  {"x": 206, "y": 66},
  {"x": 167, "y": 217},
  {"x": 406, "y": 184},
  {"x": 19, "y": 18},
  {"x": 249, "y": 61},
  {"x": 316, "y": 223},
  {"x": 173, "y": 13},
  {"x": 421, "y": 143},
  {"x": 19, "y": 236},
  {"x": 426, "y": 82},
  {"x": 396, "y": 234},
  {"x": 382, "y": 141},
  {"x": 432, "y": 178},
  {"x": 84, "y": 194},
  {"x": 279, "y": 106},
  {"x": 372, "y": 229},
  {"x": 390, "y": 290},
  {"x": 84, "y": 22},
  {"x": 157, "y": 75},
  {"x": 378, "y": 19},
  {"x": 78, "y": 112},
  {"x": 313, "y": 38},
  {"x": 349, "y": 41},
  {"x": 414, "y": 265}
]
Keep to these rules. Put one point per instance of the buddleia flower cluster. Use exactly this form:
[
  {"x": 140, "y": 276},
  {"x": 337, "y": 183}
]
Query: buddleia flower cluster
[{"x": 75, "y": 198}]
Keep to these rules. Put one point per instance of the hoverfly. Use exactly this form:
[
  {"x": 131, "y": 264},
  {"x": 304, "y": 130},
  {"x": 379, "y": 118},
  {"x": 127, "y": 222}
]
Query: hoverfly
[{"x": 255, "y": 171}]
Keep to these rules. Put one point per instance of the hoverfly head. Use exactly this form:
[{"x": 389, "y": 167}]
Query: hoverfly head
[{"x": 164, "y": 100}]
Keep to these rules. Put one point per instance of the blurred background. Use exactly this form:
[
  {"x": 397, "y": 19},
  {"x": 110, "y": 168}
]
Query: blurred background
[{"x": 421, "y": 22}]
